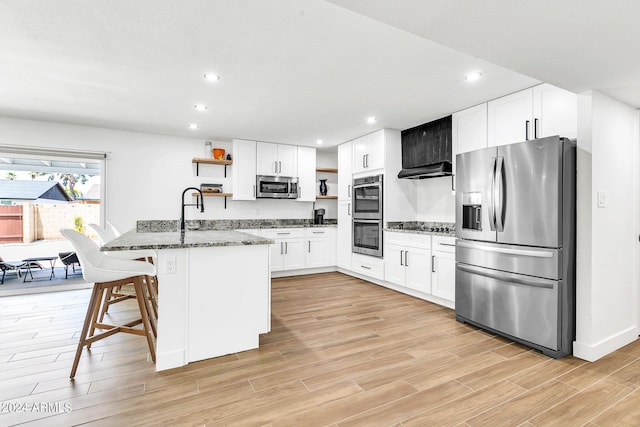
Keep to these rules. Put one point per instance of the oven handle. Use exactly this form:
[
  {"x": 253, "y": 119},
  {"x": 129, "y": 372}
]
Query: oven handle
[{"x": 367, "y": 221}]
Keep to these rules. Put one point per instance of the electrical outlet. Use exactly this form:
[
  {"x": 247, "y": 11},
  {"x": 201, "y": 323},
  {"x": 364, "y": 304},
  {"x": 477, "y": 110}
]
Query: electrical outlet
[
  {"x": 170, "y": 266},
  {"x": 602, "y": 199}
]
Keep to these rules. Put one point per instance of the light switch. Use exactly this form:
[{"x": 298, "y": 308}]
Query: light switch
[{"x": 602, "y": 199}]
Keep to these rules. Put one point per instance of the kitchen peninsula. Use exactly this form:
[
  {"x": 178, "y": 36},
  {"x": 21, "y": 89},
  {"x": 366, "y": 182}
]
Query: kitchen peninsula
[{"x": 214, "y": 291}]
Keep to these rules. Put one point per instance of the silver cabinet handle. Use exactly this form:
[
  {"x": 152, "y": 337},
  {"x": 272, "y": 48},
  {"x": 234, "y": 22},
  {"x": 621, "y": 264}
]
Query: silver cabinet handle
[
  {"x": 367, "y": 160},
  {"x": 526, "y": 130},
  {"x": 309, "y": 250},
  {"x": 406, "y": 260},
  {"x": 318, "y": 232},
  {"x": 535, "y": 128},
  {"x": 281, "y": 246},
  {"x": 401, "y": 253},
  {"x": 433, "y": 263},
  {"x": 279, "y": 167},
  {"x": 286, "y": 248},
  {"x": 363, "y": 164},
  {"x": 349, "y": 189},
  {"x": 365, "y": 267},
  {"x": 283, "y": 232},
  {"x": 254, "y": 190},
  {"x": 349, "y": 209}
]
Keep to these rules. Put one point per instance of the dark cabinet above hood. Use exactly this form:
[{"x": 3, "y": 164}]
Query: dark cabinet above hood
[{"x": 427, "y": 150}]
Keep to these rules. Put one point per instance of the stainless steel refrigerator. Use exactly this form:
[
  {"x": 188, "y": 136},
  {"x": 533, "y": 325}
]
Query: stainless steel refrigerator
[{"x": 515, "y": 252}]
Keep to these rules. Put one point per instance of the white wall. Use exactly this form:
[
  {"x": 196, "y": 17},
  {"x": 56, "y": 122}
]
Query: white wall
[
  {"x": 606, "y": 265},
  {"x": 147, "y": 172},
  {"x": 436, "y": 201}
]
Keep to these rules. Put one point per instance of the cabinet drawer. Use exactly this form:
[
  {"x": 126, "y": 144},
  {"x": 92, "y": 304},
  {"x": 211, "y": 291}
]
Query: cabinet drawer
[
  {"x": 282, "y": 233},
  {"x": 318, "y": 232},
  {"x": 444, "y": 244},
  {"x": 368, "y": 266}
]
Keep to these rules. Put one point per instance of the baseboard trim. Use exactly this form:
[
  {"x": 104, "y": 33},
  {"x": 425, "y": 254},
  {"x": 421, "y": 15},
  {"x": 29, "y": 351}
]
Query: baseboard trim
[
  {"x": 302, "y": 272},
  {"x": 593, "y": 352}
]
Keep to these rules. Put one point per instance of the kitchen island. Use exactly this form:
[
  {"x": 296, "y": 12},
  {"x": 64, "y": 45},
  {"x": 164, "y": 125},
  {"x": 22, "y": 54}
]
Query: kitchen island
[{"x": 214, "y": 294}]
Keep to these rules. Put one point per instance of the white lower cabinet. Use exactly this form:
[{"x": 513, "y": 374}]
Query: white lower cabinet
[
  {"x": 443, "y": 268},
  {"x": 421, "y": 262},
  {"x": 320, "y": 247},
  {"x": 287, "y": 253},
  {"x": 407, "y": 260}
]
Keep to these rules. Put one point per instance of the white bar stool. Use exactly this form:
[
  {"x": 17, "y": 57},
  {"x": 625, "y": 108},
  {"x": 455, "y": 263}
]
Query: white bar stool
[
  {"x": 106, "y": 273},
  {"x": 114, "y": 295}
]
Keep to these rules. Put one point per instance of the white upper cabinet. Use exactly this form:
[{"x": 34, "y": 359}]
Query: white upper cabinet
[
  {"x": 307, "y": 174},
  {"x": 244, "y": 170},
  {"x": 555, "y": 112},
  {"x": 468, "y": 131},
  {"x": 368, "y": 152},
  {"x": 277, "y": 159},
  {"x": 510, "y": 118},
  {"x": 344, "y": 171},
  {"x": 537, "y": 112}
]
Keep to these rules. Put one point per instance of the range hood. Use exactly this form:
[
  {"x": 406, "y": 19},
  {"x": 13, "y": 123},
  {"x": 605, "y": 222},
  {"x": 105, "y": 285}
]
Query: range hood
[{"x": 426, "y": 150}]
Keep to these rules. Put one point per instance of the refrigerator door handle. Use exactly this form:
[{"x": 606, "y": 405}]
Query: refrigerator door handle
[
  {"x": 508, "y": 251},
  {"x": 492, "y": 201},
  {"x": 499, "y": 189},
  {"x": 506, "y": 277}
]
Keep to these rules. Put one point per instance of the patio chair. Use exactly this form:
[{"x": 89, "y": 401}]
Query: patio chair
[
  {"x": 69, "y": 259},
  {"x": 11, "y": 267}
]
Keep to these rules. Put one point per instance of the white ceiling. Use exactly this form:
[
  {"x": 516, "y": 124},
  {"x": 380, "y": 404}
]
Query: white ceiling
[{"x": 294, "y": 71}]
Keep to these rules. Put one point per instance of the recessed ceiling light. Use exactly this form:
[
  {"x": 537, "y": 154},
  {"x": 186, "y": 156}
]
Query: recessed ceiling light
[
  {"x": 211, "y": 77},
  {"x": 319, "y": 141},
  {"x": 473, "y": 76},
  {"x": 200, "y": 107},
  {"x": 193, "y": 126},
  {"x": 371, "y": 119}
]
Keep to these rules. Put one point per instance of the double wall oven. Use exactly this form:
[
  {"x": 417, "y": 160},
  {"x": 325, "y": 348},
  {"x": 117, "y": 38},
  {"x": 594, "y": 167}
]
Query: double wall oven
[{"x": 367, "y": 215}]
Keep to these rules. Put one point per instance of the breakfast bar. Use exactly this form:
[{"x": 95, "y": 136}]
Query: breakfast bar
[{"x": 214, "y": 294}]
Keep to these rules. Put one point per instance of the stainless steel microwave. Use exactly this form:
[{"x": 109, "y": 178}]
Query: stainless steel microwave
[{"x": 276, "y": 187}]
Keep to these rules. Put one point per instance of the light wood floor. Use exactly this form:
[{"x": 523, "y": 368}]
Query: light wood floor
[{"x": 342, "y": 352}]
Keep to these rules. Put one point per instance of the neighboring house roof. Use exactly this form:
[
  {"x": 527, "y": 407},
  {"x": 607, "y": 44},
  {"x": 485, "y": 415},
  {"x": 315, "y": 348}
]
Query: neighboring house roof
[
  {"x": 92, "y": 194},
  {"x": 32, "y": 190}
]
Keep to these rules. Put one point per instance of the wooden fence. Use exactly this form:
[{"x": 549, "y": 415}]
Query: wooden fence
[{"x": 11, "y": 224}]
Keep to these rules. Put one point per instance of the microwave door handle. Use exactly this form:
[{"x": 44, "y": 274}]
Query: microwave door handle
[
  {"x": 492, "y": 201},
  {"x": 501, "y": 195}
]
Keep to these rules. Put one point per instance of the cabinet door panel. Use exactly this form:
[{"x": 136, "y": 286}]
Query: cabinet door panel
[
  {"x": 318, "y": 252},
  {"x": 469, "y": 129},
  {"x": 244, "y": 170},
  {"x": 344, "y": 235},
  {"x": 307, "y": 176},
  {"x": 277, "y": 252},
  {"x": 508, "y": 116},
  {"x": 556, "y": 111},
  {"x": 293, "y": 254},
  {"x": 288, "y": 160},
  {"x": 345, "y": 178},
  {"x": 267, "y": 158},
  {"x": 418, "y": 269},
  {"x": 394, "y": 270},
  {"x": 444, "y": 277}
]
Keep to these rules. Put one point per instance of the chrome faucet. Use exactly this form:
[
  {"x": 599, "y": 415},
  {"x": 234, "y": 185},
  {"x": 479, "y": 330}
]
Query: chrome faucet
[{"x": 196, "y": 204}]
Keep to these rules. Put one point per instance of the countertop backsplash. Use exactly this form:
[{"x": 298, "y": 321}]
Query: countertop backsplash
[
  {"x": 442, "y": 228},
  {"x": 158, "y": 226}
]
